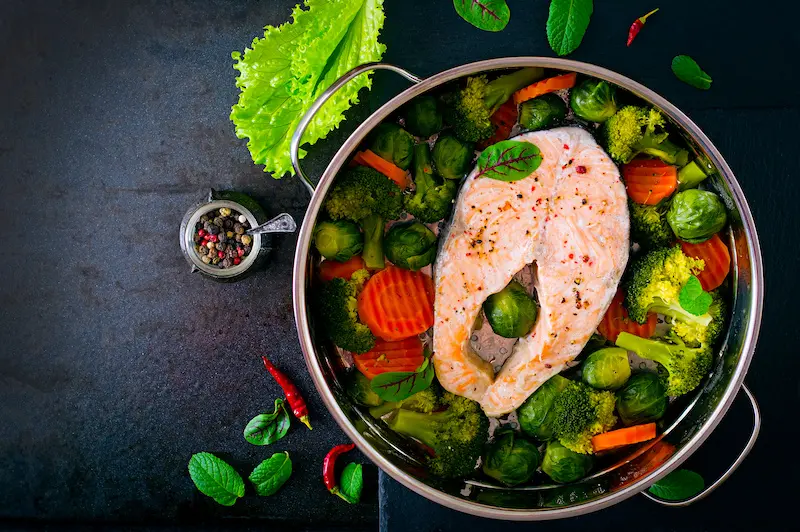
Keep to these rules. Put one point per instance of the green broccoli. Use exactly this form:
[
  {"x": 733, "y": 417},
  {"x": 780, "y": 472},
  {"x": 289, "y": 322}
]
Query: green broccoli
[
  {"x": 649, "y": 226},
  {"x": 425, "y": 401},
  {"x": 695, "y": 334},
  {"x": 654, "y": 284},
  {"x": 456, "y": 435},
  {"x": 468, "y": 110},
  {"x": 580, "y": 412},
  {"x": 433, "y": 196},
  {"x": 634, "y": 130},
  {"x": 338, "y": 308},
  {"x": 685, "y": 366},
  {"x": 362, "y": 191}
]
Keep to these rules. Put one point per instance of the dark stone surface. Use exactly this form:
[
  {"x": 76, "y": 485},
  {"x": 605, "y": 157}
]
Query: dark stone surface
[{"x": 117, "y": 364}]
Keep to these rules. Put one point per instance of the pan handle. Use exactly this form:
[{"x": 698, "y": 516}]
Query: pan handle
[
  {"x": 319, "y": 102},
  {"x": 731, "y": 469}
]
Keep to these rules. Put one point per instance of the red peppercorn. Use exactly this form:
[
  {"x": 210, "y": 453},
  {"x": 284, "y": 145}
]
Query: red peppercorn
[
  {"x": 201, "y": 232},
  {"x": 580, "y": 169},
  {"x": 221, "y": 254},
  {"x": 236, "y": 260},
  {"x": 240, "y": 251},
  {"x": 213, "y": 238}
]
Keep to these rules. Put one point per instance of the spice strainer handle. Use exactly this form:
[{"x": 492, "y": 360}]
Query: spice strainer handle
[
  {"x": 283, "y": 223},
  {"x": 731, "y": 469},
  {"x": 319, "y": 102}
]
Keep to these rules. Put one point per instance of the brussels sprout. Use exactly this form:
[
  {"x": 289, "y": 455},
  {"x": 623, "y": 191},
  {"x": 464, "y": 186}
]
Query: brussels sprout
[
  {"x": 360, "y": 391},
  {"x": 338, "y": 240},
  {"x": 423, "y": 117},
  {"x": 696, "y": 215},
  {"x": 594, "y": 100},
  {"x": 393, "y": 143},
  {"x": 542, "y": 112},
  {"x": 512, "y": 311},
  {"x": 511, "y": 459},
  {"x": 410, "y": 245},
  {"x": 535, "y": 416},
  {"x": 606, "y": 369},
  {"x": 563, "y": 465},
  {"x": 643, "y": 399},
  {"x": 452, "y": 157}
]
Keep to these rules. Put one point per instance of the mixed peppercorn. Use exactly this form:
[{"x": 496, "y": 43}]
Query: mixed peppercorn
[{"x": 220, "y": 239}]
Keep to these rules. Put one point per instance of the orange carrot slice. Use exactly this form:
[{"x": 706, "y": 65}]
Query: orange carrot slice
[
  {"x": 371, "y": 159},
  {"x": 403, "y": 355},
  {"x": 331, "y": 269},
  {"x": 534, "y": 90},
  {"x": 648, "y": 181},
  {"x": 397, "y": 303},
  {"x": 504, "y": 119},
  {"x": 715, "y": 254},
  {"x": 616, "y": 320},
  {"x": 626, "y": 436}
]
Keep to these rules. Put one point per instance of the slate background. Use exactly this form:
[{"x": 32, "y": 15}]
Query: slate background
[{"x": 116, "y": 364}]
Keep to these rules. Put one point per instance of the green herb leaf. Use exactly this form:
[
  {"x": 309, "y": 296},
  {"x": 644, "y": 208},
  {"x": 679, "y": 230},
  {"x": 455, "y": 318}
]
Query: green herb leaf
[
  {"x": 693, "y": 299},
  {"x": 352, "y": 482},
  {"x": 216, "y": 478},
  {"x": 271, "y": 474},
  {"x": 688, "y": 71},
  {"x": 399, "y": 385},
  {"x": 567, "y": 24},
  {"x": 283, "y": 73},
  {"x": 509, "y": 160},
  {"x": 489, "y": 15},
  {"x": 268, "y": 428},
  {"x": 678, "y": 485}
]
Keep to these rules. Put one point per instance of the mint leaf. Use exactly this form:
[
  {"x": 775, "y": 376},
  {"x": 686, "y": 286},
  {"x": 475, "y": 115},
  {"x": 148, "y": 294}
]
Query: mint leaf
[
  {"x": 268, "y": 428},
  {"x": 352, "y": 482},
  {"x": 271, "y": 474},
  {"x": 399, "y": 385},
  {"x": 489, "y": 15},
  {"x": 678, "y": 485},
  {"x": 693, "y": 299},
  {"x": 509, "y": 160},
  {"x": 567, "y": 24},
  {"x": 688, "y": 71},
  {"x": 216, "y": 478}
]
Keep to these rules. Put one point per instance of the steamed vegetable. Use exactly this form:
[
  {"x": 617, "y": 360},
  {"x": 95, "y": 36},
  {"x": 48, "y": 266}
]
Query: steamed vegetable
[
  {"x": 642, "y": 399},
  {"x": 511, "y": 459},
  {"x": 594, "y": 100},
  {"x": 512, "y": 311},
  {"x": 385, "y": 357},
  {"x": 423, "y": 117},
  {"x": 634, "y": 130},
  {"x": 373, "y": 241},
  {"x": 425, "y": 401},
  {"x": 579, "y": 412},
  {"x": 621, "y": 437},
  {"x": 338, "y": 240},
  {"x": 393, "y": 143},
  {"x": 691, "y": 175},
  {"x": 649, "y": 181},
  {"x": 433, "y": 196},
  {"x": 545, "y": 86},
  {"x": 542, "y": 112},
  {"x": 452, "y": 158},
  {"x": 360, "y": 391},
  {"x": 536, "y": 414},
  {"x": 331, "y": 269},
  {"x": 696, "y": 215},
  {"x": 563, "y": 465},
  {"x": 410, "y": 245},
  {"x": 649, "y": 226},
  {"x": 337, "y": 304},
  {"x": 716, "y": 258},
  {"x": 361, "y": 191},
  {"x": 606, "y": 369},
  {"x": 616, "y": 320},
  {"x": 376, "y": 162}
]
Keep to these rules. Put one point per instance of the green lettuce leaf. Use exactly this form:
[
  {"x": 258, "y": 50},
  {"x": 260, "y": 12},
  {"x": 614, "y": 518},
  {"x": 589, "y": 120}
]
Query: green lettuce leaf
[{"x": 281, "y": 74}]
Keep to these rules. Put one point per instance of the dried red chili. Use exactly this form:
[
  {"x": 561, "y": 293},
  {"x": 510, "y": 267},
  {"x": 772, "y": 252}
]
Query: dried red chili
[
  {"x": 329, "y": 469},
  {"x": 293, "y": 397},
  {"x": 636, "y": 27}
]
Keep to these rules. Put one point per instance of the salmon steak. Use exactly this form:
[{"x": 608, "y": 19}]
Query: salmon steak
[{"x": 569, "y": 219}]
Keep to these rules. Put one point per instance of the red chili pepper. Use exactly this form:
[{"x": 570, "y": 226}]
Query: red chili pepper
[
  {"x": 636, "y": 27},
  {"x": 329, "y": 469},
  {"x": 293, "y": 397}
]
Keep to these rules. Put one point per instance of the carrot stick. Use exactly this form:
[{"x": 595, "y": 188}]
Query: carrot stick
[
  {"x": 403, "y": 355},
  {"x": 371, "y": 159},
  {"x": 564, "y": 81},
  {"x": 717, "y": 260},
  {"x": 397, "y": 303},
  {"x": 626, "y": 436},
  {"x": 616, "y": 320},
  {"x": 331, "y": 269},
  {"x": 648, "y": 181}
]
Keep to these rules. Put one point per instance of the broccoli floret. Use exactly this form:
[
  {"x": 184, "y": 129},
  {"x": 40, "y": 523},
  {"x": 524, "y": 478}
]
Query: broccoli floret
[
  {"x": 580, "y": 412},
  {"x": 456, "y": 435},
  {"x": 362, "y": 191},
  {"x": 685, "y": 367},
  {"x": 468, "y": 110},
  {"x": 696, "y": 335},
  {"x": 433, "y": 196},
  {"x": 425, "y": 401},
  {"x": 649, "y": 226},
  {"x": 634, "y": 130},
  {"x": 338, "y": 308},
  {"x": 655, "y": 281}
]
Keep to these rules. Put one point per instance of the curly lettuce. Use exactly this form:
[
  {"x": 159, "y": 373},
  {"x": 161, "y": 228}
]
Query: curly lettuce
[{"x": 281, "y": 74}]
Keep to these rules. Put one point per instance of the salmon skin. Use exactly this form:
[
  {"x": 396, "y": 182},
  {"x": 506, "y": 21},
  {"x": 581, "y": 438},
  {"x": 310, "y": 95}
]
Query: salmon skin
[{"x": 569, "y": 218}]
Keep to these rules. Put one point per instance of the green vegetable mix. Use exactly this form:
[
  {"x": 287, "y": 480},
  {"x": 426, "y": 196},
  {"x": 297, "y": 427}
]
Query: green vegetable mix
[
  {"x": 393, "y": 143},
  {"x": 563, "y": 465},
  {"x": 338, "y": 239},
  {"x": 452, "y": 157},
  {"x": 606, "y": 369},
  {"x": 536, "y": 414},
  {"x": 423, "y": 117},
  {"x": 643, "y": 399}
]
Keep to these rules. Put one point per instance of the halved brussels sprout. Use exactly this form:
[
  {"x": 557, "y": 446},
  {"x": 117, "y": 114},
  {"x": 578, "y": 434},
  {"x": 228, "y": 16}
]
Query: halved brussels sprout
[
  {"x": 606, "y": 369},
  {"x": 642, "y": 400},
  {"x": 696, "y": 215},
  {"x": 512, "y": 311},
  {"x": 511, "y": 459},
  {"x": 410, "y": 245},
  {"x": 594, "y": 100},
  {"x": 338, "y": 239},
  {"x": 393, "y": 143}
]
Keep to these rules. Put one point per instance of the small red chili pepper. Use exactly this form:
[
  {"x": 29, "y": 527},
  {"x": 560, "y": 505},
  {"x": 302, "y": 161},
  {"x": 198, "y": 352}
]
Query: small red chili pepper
[
  {"x": 329, "y": 469},
  {"x": 293, "y": 397},
  {"x": 636, "y": 27}
]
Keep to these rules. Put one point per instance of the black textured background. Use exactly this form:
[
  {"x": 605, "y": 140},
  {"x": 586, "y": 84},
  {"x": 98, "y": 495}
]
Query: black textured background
[{"x": 116, "y": 364}]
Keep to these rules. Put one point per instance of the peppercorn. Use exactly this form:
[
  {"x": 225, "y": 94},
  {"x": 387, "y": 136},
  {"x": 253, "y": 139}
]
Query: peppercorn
[
  {"x": 218, "y": 221},
  {"x": 237, "y": 260},
  {"x": 197, "y": 239},
  {"x": 229, "y": 223},
  {"x": 213, "y": 229},
  {"x": 238, "y": 229},
  {"x": 230, "y": 234},
  {"x": 210, "y": 245},
  {"x": 215, "y": 260},
  {"x": 213, "y": 238},
  {"x": 247, "y": 249},
  {"x": 220, "y": 246},
  {"x": 227, "y": 263},
  {"x": 238, "y": 238},
  {"x": 202, "y": 250},
  {"x": 204, "y": 218},
  {"x": 225, "y": 211},
  {"x": 242, "y": 218},
  {"x": 221, "y": 237},
  {"x": 206, "y": 259},
  {"x": 247, "y": 240}
]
